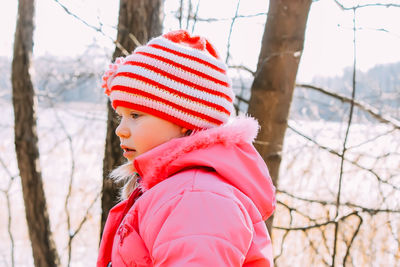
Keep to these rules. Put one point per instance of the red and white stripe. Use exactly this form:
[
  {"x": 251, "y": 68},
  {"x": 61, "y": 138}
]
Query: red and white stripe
[
  {"x": 175, "y": 87},
  {"x": 168, "y": 56},
  {"x": 147, "y": 86},
  {"x": 133, "y": 86},
  {"x": 176, "y": 115},
  {"x": 188, "y": 52},
  {"x": 179, "y": 83}
]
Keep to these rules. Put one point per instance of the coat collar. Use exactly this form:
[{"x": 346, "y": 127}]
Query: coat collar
[
  {"x": 226, "y": 149},
  {"x": 153, "y": 166}
]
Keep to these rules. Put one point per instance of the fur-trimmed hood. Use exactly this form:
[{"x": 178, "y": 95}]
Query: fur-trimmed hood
[{"x": 226, "y": 149}]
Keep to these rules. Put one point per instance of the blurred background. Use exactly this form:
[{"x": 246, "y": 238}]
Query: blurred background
[{"x": 338, "y": 169}]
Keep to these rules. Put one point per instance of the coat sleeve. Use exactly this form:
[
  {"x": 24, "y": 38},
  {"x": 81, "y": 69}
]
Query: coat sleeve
[{"x": 200, "y": 229}]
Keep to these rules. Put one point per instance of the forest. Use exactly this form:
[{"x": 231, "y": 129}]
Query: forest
[{"x": 331, "y": 142}]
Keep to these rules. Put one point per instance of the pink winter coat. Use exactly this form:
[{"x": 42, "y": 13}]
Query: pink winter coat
[{"x": 205, "y": 200}]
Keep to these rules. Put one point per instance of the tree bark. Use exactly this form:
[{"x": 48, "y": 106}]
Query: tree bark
[
  {"x": 274, "y": 82},
  {"x": 139, "y": 21},
  {"x": 26, "y": 140}
]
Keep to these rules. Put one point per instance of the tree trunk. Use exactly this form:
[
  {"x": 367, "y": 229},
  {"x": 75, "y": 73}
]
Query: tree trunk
[
  {"x": 274, "y": 82},
  {"x": 139, "y": 21},
  {"x": 26, "y": 140}
]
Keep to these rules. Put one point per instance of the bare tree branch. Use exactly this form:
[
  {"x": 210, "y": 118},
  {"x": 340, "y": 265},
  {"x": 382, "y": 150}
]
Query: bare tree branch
[
  {"x": 241, "y": 67},
  {"x": 195, "y": 15},
  {"x": 12, "y": 177},
  {"x": 189, "y": 14},
  {"x": 366, "y": 5},
  {"x": 317, "y": 225},
  {"x": 71, "y": 180},
  {"x": 371, "y": 211},
  {"x": 97, "y": 29},
  {"x": 86, "y": 216},
  {"x": 230, "y": 33},
  {"x": 352, "y": 239},
  {"x": 8, "y": 201},
  {"x": 180, "y": 14},
  {"x": 355, "y": 163},
  {"x": 344, "y": 148},
  {"x": 372, "y": 29},
  {"x": 363, "y": 106},
  {"x": 210, "y": 20}
]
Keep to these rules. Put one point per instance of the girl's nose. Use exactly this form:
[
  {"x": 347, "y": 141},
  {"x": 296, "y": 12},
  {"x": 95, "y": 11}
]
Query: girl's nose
[{"x": 121, "y": 131}]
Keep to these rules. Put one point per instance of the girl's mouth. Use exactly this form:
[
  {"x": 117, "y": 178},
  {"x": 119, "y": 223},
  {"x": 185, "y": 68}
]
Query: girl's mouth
[{"x": 128, "y": 152}]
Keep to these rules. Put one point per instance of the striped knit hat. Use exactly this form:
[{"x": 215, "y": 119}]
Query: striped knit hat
[{"x": 176, "y": 77}]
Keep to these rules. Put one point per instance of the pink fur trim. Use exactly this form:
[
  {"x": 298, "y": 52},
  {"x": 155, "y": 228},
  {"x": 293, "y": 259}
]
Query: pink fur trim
[
  {"x": 110, "y": 73},
  {"x": 238, "y": 130}
]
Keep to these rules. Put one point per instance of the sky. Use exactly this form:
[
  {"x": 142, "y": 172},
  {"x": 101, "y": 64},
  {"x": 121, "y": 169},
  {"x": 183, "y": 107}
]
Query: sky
[{"x": 328, "y": 47}]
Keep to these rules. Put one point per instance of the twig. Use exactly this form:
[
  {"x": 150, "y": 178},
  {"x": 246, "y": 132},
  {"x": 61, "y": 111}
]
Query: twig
[
  {"x": 230, "y": 33},
  {"x": 241, "y": 67},
  {"x": 363, "y": 106},
  {"x": 374, "y": 139},
  {"x": 317, "y": 225},
  {"x": 180, "y": 14},
  {"x": 12, "y": 177},
  {"x": 281, "y": 249},
  {"x": 344, "y": 149},
  {"x": 134, "y": 39},
  {"x": 330, "y": 150},
  {"x": 9, "y": 223},
  {"x": 78, "y": 18},
  {"x": 71, "y": 180},
  {"x": 85, "y": 217},
  {"x": 346, "y": 204},
  {"x": 291, "y": 209},
  {"x": 352, "y": 239},
  {"x": 392, "y": 231},
  {"x": 189, "y": 14},
  {"x": 285, "y": 234},
  {"x": 311, "y": 244},
  {"x": 372, "y": 29},
  {"x": 209, "y": 20},
  {"x": 9, "y": 220},
  {"x": 365, "y": 5},
  {"x": 347, "y": 160},
  {"x": 72, "y": 233},
  {"x": 195, "y": 15},
  {"x": 98, "y": 29}
]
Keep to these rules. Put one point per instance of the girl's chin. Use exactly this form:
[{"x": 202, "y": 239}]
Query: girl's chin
[{"x": 129, "y": 155}]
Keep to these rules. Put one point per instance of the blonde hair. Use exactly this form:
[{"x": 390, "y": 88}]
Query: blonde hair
[{"x": 126, "y": 175}]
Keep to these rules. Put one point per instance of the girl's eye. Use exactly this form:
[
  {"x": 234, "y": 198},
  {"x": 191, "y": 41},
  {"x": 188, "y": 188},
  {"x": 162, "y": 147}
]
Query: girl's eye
[{"x": 135, "y": 115}]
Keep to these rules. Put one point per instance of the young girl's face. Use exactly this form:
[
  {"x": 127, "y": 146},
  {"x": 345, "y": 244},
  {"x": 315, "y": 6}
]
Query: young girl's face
[{"x": 139, "y": 132}]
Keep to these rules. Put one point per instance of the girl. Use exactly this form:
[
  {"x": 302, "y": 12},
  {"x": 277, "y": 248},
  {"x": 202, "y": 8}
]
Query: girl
[{"x": 197, "y": 192}]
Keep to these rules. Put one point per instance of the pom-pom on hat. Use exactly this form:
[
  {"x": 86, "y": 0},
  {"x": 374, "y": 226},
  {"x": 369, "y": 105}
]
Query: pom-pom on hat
[{"x": 176, "y": 77}]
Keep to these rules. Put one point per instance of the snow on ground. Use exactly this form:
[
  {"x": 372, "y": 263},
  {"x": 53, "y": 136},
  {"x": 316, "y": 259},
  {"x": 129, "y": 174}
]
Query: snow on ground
[{"x": 306, "y": 171}]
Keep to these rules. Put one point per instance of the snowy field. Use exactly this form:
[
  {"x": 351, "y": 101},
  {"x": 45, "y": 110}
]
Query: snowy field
[
  {"x": 306, "y": 171},
  {"x": 86, "y": 127}
]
